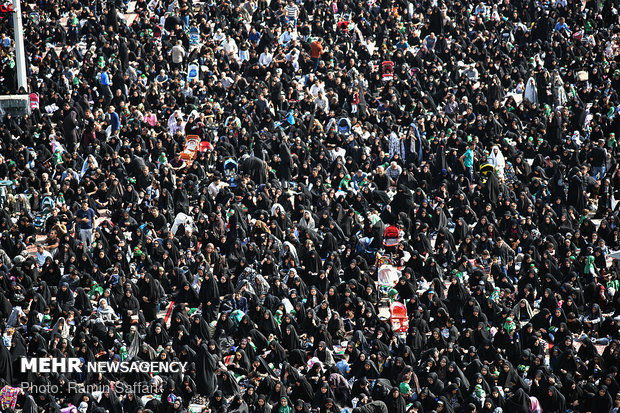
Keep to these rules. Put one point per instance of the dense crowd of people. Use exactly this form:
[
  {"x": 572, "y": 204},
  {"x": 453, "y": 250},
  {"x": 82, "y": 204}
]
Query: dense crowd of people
[{"x": 481, "y": 134}]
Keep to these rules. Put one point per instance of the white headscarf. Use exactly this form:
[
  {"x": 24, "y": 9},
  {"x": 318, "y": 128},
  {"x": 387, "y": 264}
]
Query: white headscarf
[
  {"x": 292, "y": 251},
  {"x": 85, "y": 164},
  {"x": 531, "y": 92},
  {"x": 275, "y": 207},
  {"x": 498, "y": 161},
  {"x": 306, "y": 223},
  {"x": 62, "y": 331}
]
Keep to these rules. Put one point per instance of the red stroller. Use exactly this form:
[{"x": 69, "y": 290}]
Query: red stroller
[
  {"x": 391, "y": 236},
  {"x": 387, "y": 67},
  {"x": 399, "y": 318}
]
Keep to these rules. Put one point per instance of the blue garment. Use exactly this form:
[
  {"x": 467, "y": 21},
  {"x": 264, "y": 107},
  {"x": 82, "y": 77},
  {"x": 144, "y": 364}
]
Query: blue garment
[
  {"x": 315, "y": 63},
  {"x": 90, "y": 214},
  {"x": 598, "y": 172},
  {"x": 468, "y": 161},
  {"x": 402, "y": 45},
  {"x": 561, "y": 27},
  {"x": 241, "y": 304},
  {"x": 429, "y": 42},
  {"x": 254, "y": 37},
  {"x": 105, "y": 79},
  {"x": 357, "y": 181},
  {"x": 115, "y": 121}
]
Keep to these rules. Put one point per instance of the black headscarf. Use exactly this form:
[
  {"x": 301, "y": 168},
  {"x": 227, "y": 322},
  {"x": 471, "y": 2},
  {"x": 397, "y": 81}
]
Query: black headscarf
[{"x": 519, "y": 402}]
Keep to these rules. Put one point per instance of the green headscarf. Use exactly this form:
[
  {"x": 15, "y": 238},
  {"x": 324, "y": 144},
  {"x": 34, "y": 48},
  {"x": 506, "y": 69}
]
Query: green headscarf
[
  {"x": 278, "y": 317},
  {"x": 509, "y": 325},
  {"x": 479, "y": 392},
  {"x": 285, "y": 409},
  {"x": 590, "y": 268},
  {"x": 495, "y": 294}
]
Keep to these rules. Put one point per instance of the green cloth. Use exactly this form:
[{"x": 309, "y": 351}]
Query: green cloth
[
  {"x": 479, "y": 392},
  {"x": 509, "y": 325},
  {"x": 278, "y": 317},
  {"x": 345, "y": 182},
  {"x": 590, "y": 268},
  {"x": 285, "y": 409},
  {"x": 95, "y": 290}
]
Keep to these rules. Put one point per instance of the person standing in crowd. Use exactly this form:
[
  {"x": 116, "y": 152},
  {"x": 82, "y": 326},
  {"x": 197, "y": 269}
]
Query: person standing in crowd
[
  {"x": 598, "y": 158},
  {"x": 316, "y": 50},
  {"x": 178, "y": 55},
  {"x": 106, "y": 84},
  {"x": 85, "y": 218},
  {"x": 467, "y": 160}
]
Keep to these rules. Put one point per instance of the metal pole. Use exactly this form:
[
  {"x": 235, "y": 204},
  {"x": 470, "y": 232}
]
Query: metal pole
[{"x": 20, "y": 53}]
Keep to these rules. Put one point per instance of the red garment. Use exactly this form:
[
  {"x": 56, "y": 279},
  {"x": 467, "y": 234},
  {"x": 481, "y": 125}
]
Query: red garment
[{"x": 316, "y": 50}]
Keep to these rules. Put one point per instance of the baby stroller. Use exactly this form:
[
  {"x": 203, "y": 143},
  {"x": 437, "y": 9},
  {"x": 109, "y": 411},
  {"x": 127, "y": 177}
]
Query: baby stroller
[
  {"x": 387, "y": 69},
  {"x": 6, "y": 189},
  {"x": 186, "y": 221},
  {"x": 391, "y": 236},
  {"x": 485, "y": 170},
  {"x": 387, "y": 277},
  {"x": 194, "y": 36},
  {"x": 363, "y": 246},
  {"x": 191, "y": 149},
  {"x": 47, "y": 204},
  {"x": 193, "y": 72},
  {"x": 509, "y": 173},
  {"x": 398, "y": 317},
  {"x": 344, "y": 126},
  {"x": 288, "y": 121},
  {"x": 231, "y": 169}
]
